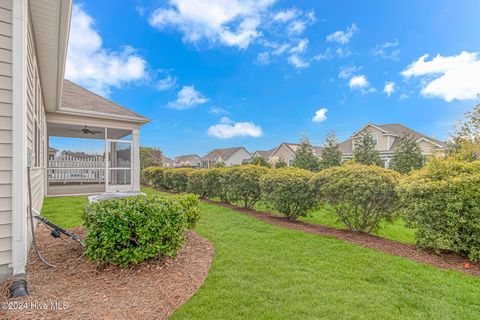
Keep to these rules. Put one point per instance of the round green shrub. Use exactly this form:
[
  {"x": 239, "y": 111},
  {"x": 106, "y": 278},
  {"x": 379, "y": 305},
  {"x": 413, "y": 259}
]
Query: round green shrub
[
  {"x": 361, "y": 195},
  {"x": 177, "y": 179},
  {"x": 158, "y": 177},
  {"x": 129, "y": 230},
  {"x": 442, "y": 202},
  {"x": 214, "y": 183},
  {"x": 242, "y": 183},
  {"x": 195, "y": 182},
  {"x": 289, "y": 191}
]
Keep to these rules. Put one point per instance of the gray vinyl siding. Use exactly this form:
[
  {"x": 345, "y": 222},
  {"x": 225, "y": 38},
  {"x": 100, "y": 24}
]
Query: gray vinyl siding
[
  {"x": 35, "y": 117},
  {"x": 5, "y": 134}
]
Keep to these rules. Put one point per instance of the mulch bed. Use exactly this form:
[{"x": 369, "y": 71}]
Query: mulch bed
[
  {"x": 150, "y": 290},
  {"x": 445, "y": 260}
]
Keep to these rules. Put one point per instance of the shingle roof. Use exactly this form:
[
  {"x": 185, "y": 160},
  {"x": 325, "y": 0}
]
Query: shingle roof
[
  {"x": 265, "y": 154},
  {"x": 187, "y": 157},
  {"x": 294, "y": 146},
  {"x": 224, "y": 153},
  {"x": 78, "y": 98},
  {"x": 166, "y": 159},
  {"x": 395, "y": 129}
]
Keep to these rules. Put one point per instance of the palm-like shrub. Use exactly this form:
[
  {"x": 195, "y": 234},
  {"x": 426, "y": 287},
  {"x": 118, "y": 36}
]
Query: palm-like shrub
[
  {"x": 361, "y": 195},
  {"x": 289, "y": 191}
]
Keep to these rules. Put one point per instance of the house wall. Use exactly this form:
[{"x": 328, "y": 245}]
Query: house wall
[
  {"x": 237, "y": 158},
  {"x": 5, "y": 135},
  {"x": 36, "y": 124},
  {"x": 383, "y": 143},
  {"x": 427, "y": 147},
  {"x": 282, "y": 153}
]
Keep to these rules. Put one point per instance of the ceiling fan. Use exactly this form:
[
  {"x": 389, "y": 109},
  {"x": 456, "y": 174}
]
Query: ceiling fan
[{"x": 85, "y": 130}]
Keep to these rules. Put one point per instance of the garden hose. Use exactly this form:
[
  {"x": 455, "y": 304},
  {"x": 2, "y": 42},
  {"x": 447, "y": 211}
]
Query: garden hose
[{"x": 32, "y": 225}]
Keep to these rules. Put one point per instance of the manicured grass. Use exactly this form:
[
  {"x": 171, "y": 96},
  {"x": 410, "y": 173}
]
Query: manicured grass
[
  {"x": 65, "y": 211},
  {"x": 396, "y": 231},
  {"x": 262, "y": 271}
]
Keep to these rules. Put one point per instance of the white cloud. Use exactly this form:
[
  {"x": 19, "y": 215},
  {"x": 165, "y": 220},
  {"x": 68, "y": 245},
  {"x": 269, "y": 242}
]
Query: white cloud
[
  {"x": 296, "y": 27},
  {"x": 217, "y": 110},
  {"x": 348, "y": 71},
  {"x": 343, "y": 37},
  {"x": 231, "y": 22},
  {"x": 300, "y": 47},
  {"x": 388, "y": 50},
  {"x": 285, "y": 15},
  {"x": 358, "y": 82},
  {"x": 187, "y": 97},
  {"x": 389, "y": 88},
  {"x": 95, "y": 67},
  {"x": 166, "y": 83},
  {"x": 320, "y": 115},
  {"x": 298, "y": 62},
  {"x": 450, "y": 77},
  {"x": 227, "y": 129}
]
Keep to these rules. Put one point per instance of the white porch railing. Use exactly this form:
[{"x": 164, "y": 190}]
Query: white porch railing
[
  {"x": 75, "y": 175},
  {"x": 68, "y": 169}
]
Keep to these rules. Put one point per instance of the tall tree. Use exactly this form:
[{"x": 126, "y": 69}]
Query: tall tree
[
  {"x": 305, "y": 157},
  {"x": 365, "y": 151},
  {"x": 331, "y": 154},
  {"x": 464, "y": 143},
  {"x": 408, "y": 156},
  {"x": 150, "y": 157}
]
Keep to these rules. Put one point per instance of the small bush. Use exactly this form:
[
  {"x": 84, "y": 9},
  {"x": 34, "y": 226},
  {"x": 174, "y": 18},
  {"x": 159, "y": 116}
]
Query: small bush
[
  {"x": 242, "y": 183},
  {"x": 129, "y": 230},
  {"x": 147, "y": 175},
  {"x": 158, "y": 177},
  {"x": 442, "y": 201},
  {"x": 214, "y": 182},
  {"x": 195, "y": 183},
  {"x": 177, "y": 179},
  {"x": 289, "y": 190},
  {"x": 361, "y": 195}
]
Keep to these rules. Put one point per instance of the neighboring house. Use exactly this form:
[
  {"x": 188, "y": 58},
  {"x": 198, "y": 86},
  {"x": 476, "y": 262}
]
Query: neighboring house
[
  {"x": 52, "y": 153},
  {"x": 387, "y": 137},
  {"x": 286, "y": 151},
  {"x": 167, "y": 162},
  {"x": 188, "y": 160},
  {"x": 227, "y": 156},
  {"x": 35, "y": 104},
  {"x": 262, "y": 154}
]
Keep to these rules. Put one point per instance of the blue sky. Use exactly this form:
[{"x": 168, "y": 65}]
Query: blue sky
[{"x": 256, "y": 73}]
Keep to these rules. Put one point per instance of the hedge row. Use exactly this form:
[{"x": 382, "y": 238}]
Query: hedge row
[
  {"x": 441, "y": 201},
  {"x": 360, "y": 204}
]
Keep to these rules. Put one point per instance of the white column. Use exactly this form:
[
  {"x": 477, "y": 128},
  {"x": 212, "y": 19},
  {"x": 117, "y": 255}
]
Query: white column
[
  {"x": 136, "y": 160},
  {"x": 106, "y": 161},
  {"x": 19, "y": 128}
]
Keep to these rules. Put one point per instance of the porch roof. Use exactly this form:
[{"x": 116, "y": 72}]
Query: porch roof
[{"x": 78, "y": 100}]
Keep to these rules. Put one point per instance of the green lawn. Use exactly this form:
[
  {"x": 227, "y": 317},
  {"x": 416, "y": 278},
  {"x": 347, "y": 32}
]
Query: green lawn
[
  {"x": 396, "y": 231},
  {"x": 264, "y": 271},
  {"x": 66, "y": 211}
]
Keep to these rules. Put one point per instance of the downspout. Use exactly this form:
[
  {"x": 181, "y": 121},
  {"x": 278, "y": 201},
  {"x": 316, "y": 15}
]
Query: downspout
[{"x": 19, "y": 147}]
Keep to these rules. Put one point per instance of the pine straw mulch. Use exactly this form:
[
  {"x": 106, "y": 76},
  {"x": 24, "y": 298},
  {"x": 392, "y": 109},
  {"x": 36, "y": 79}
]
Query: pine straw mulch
[
  {"x": 444, "y": 260},
  {"x": 150, "y": 290}
]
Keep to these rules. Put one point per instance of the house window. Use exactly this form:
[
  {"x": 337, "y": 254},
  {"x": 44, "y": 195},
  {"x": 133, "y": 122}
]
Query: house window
[{"x": 375, "y": 138}]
